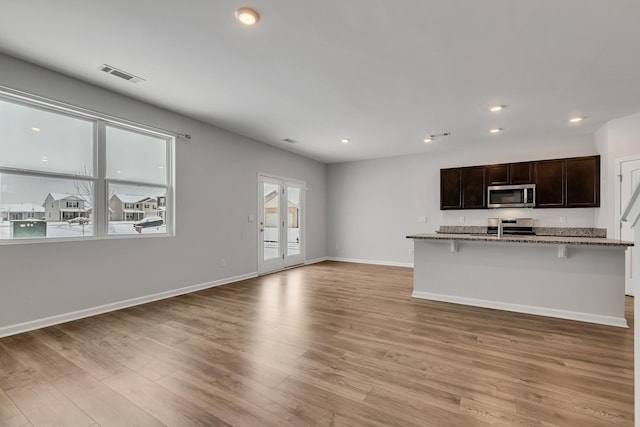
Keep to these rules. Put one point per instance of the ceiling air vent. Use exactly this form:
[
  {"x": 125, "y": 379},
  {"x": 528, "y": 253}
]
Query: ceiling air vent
[
  {"x": 290, "y": 141},
  {"x": 119, "y": 73}
]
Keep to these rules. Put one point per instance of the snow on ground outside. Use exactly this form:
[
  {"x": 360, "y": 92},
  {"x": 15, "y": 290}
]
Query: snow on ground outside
[
  {"x": 64, "y": 229},
  {"x": 271, "y": 249}
]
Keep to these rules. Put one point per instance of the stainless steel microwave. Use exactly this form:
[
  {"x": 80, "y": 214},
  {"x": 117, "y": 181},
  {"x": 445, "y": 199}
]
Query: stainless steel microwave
[{"x": 511, "y": 196}]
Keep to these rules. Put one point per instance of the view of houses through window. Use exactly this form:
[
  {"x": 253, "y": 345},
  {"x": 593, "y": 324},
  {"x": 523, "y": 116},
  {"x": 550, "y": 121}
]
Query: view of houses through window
[{"x": 51, "y": 184}]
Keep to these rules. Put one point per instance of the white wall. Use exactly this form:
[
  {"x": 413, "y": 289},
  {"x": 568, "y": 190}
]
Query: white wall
[
  {"x": 374, "y": 204},
  {"x": 617, "y": 139},
  {"x": 217, "y": 174}
]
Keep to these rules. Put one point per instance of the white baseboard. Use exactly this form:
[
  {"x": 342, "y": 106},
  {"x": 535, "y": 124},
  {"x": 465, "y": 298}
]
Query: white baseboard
[
  {"x": 87, "y": 312},
  {"x": 376, "y": 262},
  {"x": 620, "y": 322},
  {"x": 316, "y": 260}
]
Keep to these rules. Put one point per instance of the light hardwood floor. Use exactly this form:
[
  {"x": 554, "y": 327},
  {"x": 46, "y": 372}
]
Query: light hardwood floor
[{"x": 326, "y": 344}]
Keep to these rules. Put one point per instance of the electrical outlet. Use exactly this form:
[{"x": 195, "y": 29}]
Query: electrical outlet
[
  {"x": 251, "y": 218},
  {"x": 422, "y": 219},
  {"x": 563, "y": 219},
  {"x": 223, "y": 262},
  {"x": 461, "y": 220},
  {"x": 411, "y": 251}
]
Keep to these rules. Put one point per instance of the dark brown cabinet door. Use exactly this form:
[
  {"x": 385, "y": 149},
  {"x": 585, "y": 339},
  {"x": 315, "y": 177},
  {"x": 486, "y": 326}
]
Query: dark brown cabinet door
[
  {"x": 521, "y": 173},
  {"x": 549, "y": 180},
  {"x": 473, "y": 188},
  {"x": 450, "y": 189},
  {"x": 583, "y": 182},
  {"x": 497, "y": 174}
]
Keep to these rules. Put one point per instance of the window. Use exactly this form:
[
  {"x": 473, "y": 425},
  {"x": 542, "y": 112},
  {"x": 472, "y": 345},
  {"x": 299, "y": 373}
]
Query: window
[
  {"x": 58, "y": 164},
  {"x": 69, "y": 215},
  {"x": 136, "y": 174}
]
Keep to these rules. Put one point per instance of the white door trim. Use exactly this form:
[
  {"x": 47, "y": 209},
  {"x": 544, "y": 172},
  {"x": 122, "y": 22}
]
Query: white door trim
[
  {"x": 617, "y": 218},
  {"x": 617, "y": 188}
]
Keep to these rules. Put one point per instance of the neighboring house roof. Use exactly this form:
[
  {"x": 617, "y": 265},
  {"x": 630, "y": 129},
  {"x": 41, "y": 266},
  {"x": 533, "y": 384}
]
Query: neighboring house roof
[
  {"x": 63, "y": 196},
  {"x": 269, "y": 200},
  {"x": 21, "y": 207},
  {"x": 269, "y": 197},
  {"x": 127, "y": 198}
]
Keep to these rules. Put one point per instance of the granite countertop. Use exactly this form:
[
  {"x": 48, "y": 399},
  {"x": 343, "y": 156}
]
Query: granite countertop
[
  {"x": 562, "y": 240},
  {"x": 539, "y": 231}
]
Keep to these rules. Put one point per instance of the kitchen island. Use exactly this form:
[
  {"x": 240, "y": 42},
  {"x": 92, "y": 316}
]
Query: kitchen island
[{"x": 574, "y": 278}]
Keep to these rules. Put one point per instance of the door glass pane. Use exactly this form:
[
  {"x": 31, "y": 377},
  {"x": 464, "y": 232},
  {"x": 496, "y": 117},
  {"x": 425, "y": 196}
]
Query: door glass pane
[
  {"x": 36, "y": 207},
  {"x": 137, "y": 209},
  {"x": 36, "y": 139},
  {"x": 133, "y": 156},
  {"x": 271, "y": 220},
  {"x": 293, "y": 220}
]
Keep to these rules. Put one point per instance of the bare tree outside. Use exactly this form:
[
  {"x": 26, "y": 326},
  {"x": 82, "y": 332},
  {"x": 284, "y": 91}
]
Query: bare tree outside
[{"x": 86, "y": 190}]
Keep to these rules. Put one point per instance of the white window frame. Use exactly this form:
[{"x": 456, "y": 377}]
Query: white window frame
[{"x": 99, "y": 180}]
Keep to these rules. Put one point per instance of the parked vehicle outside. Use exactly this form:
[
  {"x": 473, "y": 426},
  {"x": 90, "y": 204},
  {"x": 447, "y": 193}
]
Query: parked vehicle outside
[
  {"x": 79, "y": 220},
  {"x": 151, "y": 221}
]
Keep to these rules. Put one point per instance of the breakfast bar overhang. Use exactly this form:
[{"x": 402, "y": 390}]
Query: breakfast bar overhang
[{"x": 565, "y": 277}]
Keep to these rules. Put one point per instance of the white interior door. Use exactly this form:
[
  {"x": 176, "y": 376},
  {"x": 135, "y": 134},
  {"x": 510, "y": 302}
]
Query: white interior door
[
  {"x": 628, "y": 172},
  {"x": 281, "y": 223}
]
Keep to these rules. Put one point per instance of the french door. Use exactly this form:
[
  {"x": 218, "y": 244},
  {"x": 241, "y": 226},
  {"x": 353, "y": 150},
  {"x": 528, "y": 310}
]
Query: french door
[{"x": 281, "y": 236}]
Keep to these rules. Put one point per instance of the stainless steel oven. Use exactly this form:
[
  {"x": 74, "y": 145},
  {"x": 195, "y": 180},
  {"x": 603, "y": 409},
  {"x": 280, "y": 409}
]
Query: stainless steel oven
[
  {"x": 511, "y": 196},
  {"x": 510, "y": 226}
]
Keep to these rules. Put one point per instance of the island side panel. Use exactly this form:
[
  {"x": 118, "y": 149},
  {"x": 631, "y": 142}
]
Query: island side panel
[{"x": 527, "y": 278}]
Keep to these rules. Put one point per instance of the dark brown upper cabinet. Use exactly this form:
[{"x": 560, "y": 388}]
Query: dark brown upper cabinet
[
  {"x": 450, "y": 189},
  {"x": 521, "y": 173},
  {"x": 473, "y": 188},
  {"x": 498, "y": 174},
  {"x": 463, "y": 188},
  {"x": 583, "y": 182},
  {"x": 550, "y": 183},
  {"x": 510, "y": 173}
]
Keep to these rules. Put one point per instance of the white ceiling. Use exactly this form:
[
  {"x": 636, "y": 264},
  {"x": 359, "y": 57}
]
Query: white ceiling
[{"x": 383, "y": 73}]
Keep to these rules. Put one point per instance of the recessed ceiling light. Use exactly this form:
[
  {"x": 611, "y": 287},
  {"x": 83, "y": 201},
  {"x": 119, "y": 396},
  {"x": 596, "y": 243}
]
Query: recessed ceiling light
[
  {"x": 118, "y": 171},
  {"x": 247, "y": 16},
  {"x": 345, "y": 140},
  {"x": 495, "y": 130},
  {"x": 576, "y": 119},
  {"x": 44, "y": 159},
  {"x": 160, "y": 167},
  {"x": 496, "y": 108},
  {"x": 428, "y": 140},
  {"x": 35, "y": 129}
]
